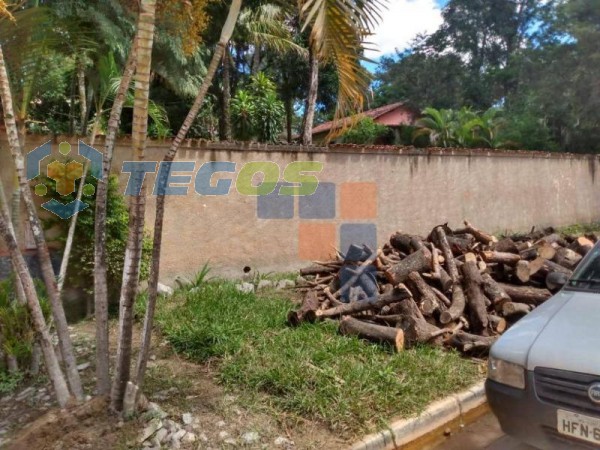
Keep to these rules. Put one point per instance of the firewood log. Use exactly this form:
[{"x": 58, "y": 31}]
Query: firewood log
[
  {"x": 406, "y": 243},
  {"x": 553, "y": 238},
  {"x": 372, "y": 332},
  {"x": 427, "y": 298},
  {"x": 582, "y": 245},
  {"x": 481, "y": 236},
  {"x": 438, "y": 272},
  {"x": 567, "y": 258},
  {"x": 416, "y": 328},
  {"x": 418, "y": 261},
  {"x": 546, "y": 251},
  {"x": 316, "y": 270},
  {"x": 511, "y": 309},
  {"x": 459, "y": 246},
  {"x": 474, "y": 293},
  {"x": 400, "y": 293},
  {"x": 529, "y": 253},
  {"x": 471, "y": 343},
  {"x": 526, "y": 294},
  {"x": 443, "y": 299},
  {"x": 497, "y": 324},
  {"x": 509, "y": 259},
  {"x": 550, "y": 266},
  {"x": 522, "y": 272},
  {"x": 307, "y": 312},
  {"x": 458, "y": 297},
  {"x": 506, "y": 245},
  {"x": 494, "y": 291}
]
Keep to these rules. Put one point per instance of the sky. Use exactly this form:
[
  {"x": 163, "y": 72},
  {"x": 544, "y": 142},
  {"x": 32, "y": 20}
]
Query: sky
[{"x": 402, "y": 21}]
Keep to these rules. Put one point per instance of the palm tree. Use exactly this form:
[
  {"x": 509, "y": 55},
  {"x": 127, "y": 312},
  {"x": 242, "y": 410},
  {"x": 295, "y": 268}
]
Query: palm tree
[
  {"x": 133, "y": 253},
  {"x": 217, "y": 57},
  {"x": 66, "y": 346},
  {"x": 100, "y": 257},
  {"x": 338, "y": 31},
  {"x": 8, "y": 236},
  {"x": 438, "y": 124}
]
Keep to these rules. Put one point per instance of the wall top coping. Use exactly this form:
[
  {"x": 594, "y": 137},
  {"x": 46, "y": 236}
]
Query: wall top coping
[{"x": 205, "y": 145}]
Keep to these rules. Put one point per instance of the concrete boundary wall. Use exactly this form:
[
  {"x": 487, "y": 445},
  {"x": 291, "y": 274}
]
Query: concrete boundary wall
[{"x": 366, "y": 193}]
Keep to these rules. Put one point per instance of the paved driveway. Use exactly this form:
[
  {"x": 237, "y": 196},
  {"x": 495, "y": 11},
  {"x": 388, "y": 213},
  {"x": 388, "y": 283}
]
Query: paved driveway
[{"x": 483, "y": 434}]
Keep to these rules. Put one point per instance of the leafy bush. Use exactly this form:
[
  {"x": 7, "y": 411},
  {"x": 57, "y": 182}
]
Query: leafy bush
[
  {"x": 81, "y": 267},
  {"x": 16, "y": 329},
  {"x": 257, "y": 112},
  {"x": 365, "y": 132}
]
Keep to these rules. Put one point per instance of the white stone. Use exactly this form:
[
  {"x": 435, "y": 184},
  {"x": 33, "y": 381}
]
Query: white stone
[
  {"x": 187, "y": 418},
  {"x": 285, "y": 284},
  {"x": 264, "y": 284},
  {"x": 161, "y": 435},
  {"x": 246, "y": 288},
  {"x": 163, "y": 289},
  {"x": 203, "y": 437},
  {"x": 231, "y": 442},
  {"x": 153, "y": 426},
  {"x": 188, "y": 438},
  {"x": 251, "y": 437},
  {"x": 221, "y": 423},
  {"x": 83, "y": 366},
  {"x": 284, "y": 442}
]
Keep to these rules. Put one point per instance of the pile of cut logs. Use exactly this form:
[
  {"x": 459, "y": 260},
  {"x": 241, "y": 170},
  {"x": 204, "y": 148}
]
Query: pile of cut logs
[{"x": 459, "y": 288}]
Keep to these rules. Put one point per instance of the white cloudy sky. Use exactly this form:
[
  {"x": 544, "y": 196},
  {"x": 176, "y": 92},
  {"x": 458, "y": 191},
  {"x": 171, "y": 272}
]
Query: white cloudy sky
[{"x": 402, "y": 21}]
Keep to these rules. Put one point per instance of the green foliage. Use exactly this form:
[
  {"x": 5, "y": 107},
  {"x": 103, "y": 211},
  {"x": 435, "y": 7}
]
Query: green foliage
[
  {"x": 257, "y": 112},
  {"x": 366, "y": 131},
  {"x": 490, "y": 129},
  {"x": 310, "y": 371},
  {"x": 16, "y": 329},
  {"x": 81, "y": 266},
  {"x": 9, "y": 382},
  {"x": 537, "y": 59}
]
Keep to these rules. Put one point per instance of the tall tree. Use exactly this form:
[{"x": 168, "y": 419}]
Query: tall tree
[
  {"x": 311, "y": 100},
  {"x": 133, "y": 253},
  {"x": 217, "y": 57},
  {"x": 65, "y": 344},
  {"x": 100, "y": 262}
]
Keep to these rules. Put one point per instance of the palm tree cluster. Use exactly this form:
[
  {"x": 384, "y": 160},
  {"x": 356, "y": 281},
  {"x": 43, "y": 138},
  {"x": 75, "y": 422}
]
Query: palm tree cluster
[
  {"x": 463, "y": 128},
  {"x": 75, "y": 58}
]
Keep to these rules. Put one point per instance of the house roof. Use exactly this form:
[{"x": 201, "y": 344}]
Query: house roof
[{"x": 373, "y": 113}]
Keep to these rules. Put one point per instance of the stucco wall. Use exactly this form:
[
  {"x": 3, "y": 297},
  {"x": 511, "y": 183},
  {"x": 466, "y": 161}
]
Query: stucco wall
[{"x": 365, "y": 190}]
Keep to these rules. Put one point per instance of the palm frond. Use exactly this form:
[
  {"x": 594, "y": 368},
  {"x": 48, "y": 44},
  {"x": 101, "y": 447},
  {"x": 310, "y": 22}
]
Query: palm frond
[{"x": 339, "y": 29}]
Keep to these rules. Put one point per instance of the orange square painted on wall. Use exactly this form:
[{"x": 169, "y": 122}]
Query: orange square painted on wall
[
  {"x": 358, "y": 201},
  {"x": 316, "y": 240}
]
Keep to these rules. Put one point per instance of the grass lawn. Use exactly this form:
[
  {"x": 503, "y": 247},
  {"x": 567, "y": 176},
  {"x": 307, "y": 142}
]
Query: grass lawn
[{"x": 310, "y": 371}]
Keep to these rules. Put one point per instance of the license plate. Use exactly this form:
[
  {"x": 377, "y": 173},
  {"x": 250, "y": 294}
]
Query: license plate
[{"x": 578, "y": 426}]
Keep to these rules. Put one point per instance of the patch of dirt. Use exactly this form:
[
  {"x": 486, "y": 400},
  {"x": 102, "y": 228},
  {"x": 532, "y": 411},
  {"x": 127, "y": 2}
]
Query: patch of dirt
[{"x": 220, "y": 419}]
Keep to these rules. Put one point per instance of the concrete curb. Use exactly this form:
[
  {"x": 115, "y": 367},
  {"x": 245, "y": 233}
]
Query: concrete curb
[{"x": 437, "y": 415}]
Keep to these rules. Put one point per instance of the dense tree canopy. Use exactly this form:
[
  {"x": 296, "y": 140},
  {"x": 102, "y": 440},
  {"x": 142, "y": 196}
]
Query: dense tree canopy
[{"x": 537, "y": 60}]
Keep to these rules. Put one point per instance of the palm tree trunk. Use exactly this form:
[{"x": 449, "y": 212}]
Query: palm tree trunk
[
  {"x": 58, "y": 312},
  {"x": 64, "y": 264},
  {"x": 52, "y": 366},
  {"x": 14, "y": 221},
  {"x": 226, "y": 118},
  {"x": 82, "y": 97},
  {"x": 226, "y": 32},
  {"x": 133, "y": 254},
  {"x": 311, "y": 101},
  {"x": 100, "y": 264}
]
